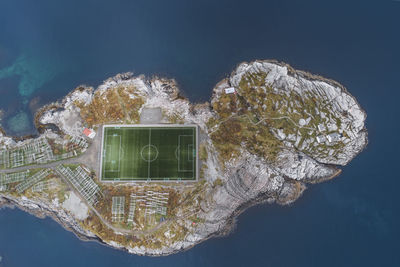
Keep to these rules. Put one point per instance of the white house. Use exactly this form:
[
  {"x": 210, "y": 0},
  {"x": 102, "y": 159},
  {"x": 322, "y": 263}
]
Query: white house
[
  {"x": 230, "y": 90},
  {"x": 333, "y": 137},
  {"x": 321, "y": 127},
  {"x": 321, "y": 139}
]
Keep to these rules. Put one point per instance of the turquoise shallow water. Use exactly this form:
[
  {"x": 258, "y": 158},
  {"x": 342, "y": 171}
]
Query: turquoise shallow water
[{"x": 49, "y": 47}]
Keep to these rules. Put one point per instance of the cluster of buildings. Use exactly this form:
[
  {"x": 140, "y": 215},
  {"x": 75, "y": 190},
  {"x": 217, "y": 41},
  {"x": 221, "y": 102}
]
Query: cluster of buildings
[
  {"x": 9, "y": 178},
  {"x": 43, "y": 185},
  {"x": 331, "y": 138},
  {"x": 118, "y": 209},
  {"x": 29, "y": 182},
  {"x": 75, "y": 144},
  {"x": 34, "y": 151},
  {"x": 132, "y": 208},
  {"x": 152, "y": 202},
  {"x": 80, "y": 142},
  {"x": 81, "y": 181},
  {"x": 39, "y": 151},
  {"x": 25, "y": 180}
]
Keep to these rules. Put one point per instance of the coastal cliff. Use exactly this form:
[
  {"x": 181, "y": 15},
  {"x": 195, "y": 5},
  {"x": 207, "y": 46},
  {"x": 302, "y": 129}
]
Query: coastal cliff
[{"x": 273, "y": 132}]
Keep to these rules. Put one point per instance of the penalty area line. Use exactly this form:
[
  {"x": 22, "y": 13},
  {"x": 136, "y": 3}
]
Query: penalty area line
[{"x": 148, "y": 157}]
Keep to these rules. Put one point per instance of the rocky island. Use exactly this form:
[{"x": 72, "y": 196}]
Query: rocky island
[{"x": 268, "y": 131}]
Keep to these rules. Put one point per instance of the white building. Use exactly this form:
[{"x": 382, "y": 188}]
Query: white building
[
  {"x": 332, "y": 127},
  {"x": 333, "y": 137},
  {"x": 321, "y": 127},
  {"x": 321, "y": 139},
  {"x": 230, "y": 90}
]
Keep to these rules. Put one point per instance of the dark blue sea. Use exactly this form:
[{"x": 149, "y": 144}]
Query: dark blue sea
[{"x": 48, "y": 47}]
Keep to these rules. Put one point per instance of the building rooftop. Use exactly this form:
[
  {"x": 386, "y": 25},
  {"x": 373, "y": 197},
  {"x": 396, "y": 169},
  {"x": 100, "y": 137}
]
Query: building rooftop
[
  {"x": 230, "y": 90},
  {"x": 89, "y": 133}
]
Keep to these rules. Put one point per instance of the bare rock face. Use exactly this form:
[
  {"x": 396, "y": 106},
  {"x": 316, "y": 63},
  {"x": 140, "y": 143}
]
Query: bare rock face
[
  {"x": 321, "y": 106},
  {"x": 296, "y": 107},
  {"x": 273, "y": 132}
]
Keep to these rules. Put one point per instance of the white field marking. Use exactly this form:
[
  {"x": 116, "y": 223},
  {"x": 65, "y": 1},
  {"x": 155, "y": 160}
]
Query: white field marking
[
  {"x": 108, "y": 148},
  {"x": 102, "y": 167},
  {"x": 141, "y": 153},
  {"x": 176, "y": 153},
  {"x": 122, "y": 153},
  {"x": 119, "y": 153},
  {"x": 164, "y": 126},
  {"x": 179, "y": 153},
  {"x": 190, "y": 155},
  {"x": 121, "y": 149},
  {"x": 172, "y": 126},
  {"x": 148, "y": 158}
]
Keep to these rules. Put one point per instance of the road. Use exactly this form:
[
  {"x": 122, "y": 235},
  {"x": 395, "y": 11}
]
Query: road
[{"x": 91, "y": 157}]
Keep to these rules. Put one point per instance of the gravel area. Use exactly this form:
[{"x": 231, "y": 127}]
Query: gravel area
[{"x": 150, "y": 116}]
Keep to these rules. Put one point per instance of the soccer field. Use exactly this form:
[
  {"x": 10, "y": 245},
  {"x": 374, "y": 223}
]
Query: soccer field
[{"x": 149, "y": 153}]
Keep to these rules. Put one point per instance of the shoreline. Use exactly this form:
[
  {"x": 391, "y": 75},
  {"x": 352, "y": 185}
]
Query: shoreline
[
  {"x": 229, "y": 228},
  {"x": 295, "y": 187},
  {"x": 231, "y": 223},
  {"x": 59, "y": 102}
]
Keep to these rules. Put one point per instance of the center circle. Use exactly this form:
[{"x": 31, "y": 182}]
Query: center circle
[{"x": 149, "y": 153}]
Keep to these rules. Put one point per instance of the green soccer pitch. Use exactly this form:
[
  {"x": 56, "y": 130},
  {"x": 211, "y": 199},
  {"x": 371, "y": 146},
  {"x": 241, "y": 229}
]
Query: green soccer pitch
[{"x": 149, "y": 153}]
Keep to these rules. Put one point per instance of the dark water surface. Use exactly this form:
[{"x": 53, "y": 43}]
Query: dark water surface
[{"x": 48, "y": 47}]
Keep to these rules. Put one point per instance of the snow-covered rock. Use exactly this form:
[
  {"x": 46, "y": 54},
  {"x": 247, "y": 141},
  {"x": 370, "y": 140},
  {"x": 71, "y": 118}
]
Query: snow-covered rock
[{"x": 246, "y": 179}]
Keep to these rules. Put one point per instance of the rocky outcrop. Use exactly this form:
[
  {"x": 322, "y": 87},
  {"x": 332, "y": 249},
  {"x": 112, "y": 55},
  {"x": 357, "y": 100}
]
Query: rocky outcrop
[
  {"x": 315, "y": 126},
  {"x": 337, "y": 111}
]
